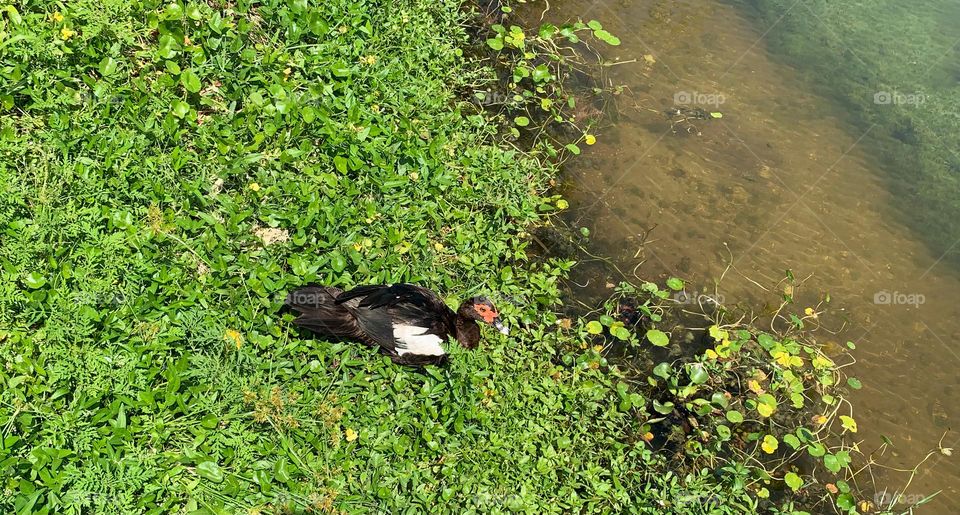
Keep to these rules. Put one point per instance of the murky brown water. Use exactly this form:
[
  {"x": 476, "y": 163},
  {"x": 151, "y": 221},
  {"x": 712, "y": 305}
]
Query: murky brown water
[{"x": 781, "y": 182}]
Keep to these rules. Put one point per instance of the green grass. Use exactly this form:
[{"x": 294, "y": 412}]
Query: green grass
[{"x": 169, "y": 171}]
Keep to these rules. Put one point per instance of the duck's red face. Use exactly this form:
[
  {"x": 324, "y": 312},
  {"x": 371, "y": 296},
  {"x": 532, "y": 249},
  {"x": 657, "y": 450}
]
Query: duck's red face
[{"x": 484, "y": 311}]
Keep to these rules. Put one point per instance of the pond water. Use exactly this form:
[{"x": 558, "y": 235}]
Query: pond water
[{"x": 786, "y": 179}]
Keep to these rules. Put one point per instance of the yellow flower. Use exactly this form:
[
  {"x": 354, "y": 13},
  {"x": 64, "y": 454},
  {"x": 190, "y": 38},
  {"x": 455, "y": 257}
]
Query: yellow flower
[
  {"x": 351, "y": 435},
  {"x": 590, "y": 139},
  {"x": 57, "y": 17},
  {"x": 66, "y": 33},
  {"x": 234, "y": 336},
  {"x": 438, "y": 246},
  {"x": 254, "y": 186}
]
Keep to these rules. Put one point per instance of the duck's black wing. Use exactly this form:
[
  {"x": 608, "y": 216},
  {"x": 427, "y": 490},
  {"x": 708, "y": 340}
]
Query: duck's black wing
[{"x": 400, "y": 317}]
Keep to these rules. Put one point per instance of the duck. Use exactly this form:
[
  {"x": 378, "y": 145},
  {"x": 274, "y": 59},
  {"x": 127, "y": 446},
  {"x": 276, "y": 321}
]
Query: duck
[{"x": 409, "y": 323}]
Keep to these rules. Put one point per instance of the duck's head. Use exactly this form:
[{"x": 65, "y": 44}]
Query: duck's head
[{"x": 482, "y": 310}]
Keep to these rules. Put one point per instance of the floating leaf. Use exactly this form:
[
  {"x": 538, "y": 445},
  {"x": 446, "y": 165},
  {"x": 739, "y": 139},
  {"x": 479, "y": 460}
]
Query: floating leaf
[
  {"x": 770, "y": 444},
  {"x": 793, "y": 481},
  {"x": 765, "y": 410},
  {"x": 658, "y": 337},
  {"x": 848, "y": 423},
  {"x": 854, "y": 383},
  {"x": 620, "y": 332},
  {"x": 675, "y": 284},
  {"x": 792, "y": 441},
  {"x": 832, "y": 463},
  {"x": 716, "y": 333},
  {"x": 735, "y": 417},
  {"x": 719, "y": 399},
  {"x": 594, "y": 327},
  {"x": 816, "y": 449},
  {"x": 575, "y": 150},
  {"x": 607, "y": 37},
  {"x": 698, "y": 374},
  {"x": 662, "y": 370},
  {"x": 521, "y": 121},
  {"x": 723, "y": 432}
]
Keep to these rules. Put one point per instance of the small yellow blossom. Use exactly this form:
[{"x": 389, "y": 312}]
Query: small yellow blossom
[
  {"x": 343, "y": 29},
  {"x": 438, "y": 246},
  {"x": 57, "y": 17},
  {"x": 66, "y": 33},
  {"x": 234, "y": 336},
  {"x": 598, "y": 348},
  {"x": 590, "y": 139},
  {"x": 351, "y": 435},
  {"x": 254, "y": 186}
]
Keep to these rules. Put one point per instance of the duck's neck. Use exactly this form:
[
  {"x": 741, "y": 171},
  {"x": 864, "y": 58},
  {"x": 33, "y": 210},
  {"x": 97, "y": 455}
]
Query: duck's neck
[{"x": 468, "y": 332}]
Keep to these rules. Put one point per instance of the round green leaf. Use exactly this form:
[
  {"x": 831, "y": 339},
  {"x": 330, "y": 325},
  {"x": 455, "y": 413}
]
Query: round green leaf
[
  {"x": 210, "y": 471},
  {"x": 620, "y": 332},
  {"x": 735, "y": 417},
  {"x": 107, "y": 66},
  {"x": 675, "y": 284},
  {"x": 190, "y": 81},
  {"x": 35, "y": 280},
  {"x": 793, "y": 481},
  {"x": 698, "y": 374},
  {"x": 658, "y": 338},
  {"x": 594, "y": 327},
  {"x": 662, "y": 370}
]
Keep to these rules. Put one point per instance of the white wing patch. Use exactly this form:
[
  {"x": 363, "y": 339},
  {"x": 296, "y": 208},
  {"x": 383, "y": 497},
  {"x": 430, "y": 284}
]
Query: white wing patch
[{"x": 411, "y": 340}]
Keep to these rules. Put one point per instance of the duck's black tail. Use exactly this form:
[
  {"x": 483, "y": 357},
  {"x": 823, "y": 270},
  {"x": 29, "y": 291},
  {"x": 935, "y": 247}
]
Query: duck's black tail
[{"x": 320, "y": 313}]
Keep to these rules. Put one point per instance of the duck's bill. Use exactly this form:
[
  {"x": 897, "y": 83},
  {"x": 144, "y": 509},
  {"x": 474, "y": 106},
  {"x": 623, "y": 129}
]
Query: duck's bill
[{"x": 500, "y": 327}]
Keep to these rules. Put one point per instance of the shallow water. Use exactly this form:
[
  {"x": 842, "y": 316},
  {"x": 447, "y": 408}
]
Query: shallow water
[{"x": 784, "y": 180}]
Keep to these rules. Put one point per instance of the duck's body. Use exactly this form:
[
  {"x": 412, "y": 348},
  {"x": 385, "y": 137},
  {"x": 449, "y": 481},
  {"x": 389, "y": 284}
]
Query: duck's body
[{"x": 408, "y": 322}]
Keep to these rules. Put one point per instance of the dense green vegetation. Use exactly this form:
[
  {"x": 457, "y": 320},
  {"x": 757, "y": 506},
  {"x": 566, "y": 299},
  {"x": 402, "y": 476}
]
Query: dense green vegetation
[
  {"x": 169, "y": 170},
  {"x": 894, "y": 65}
]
